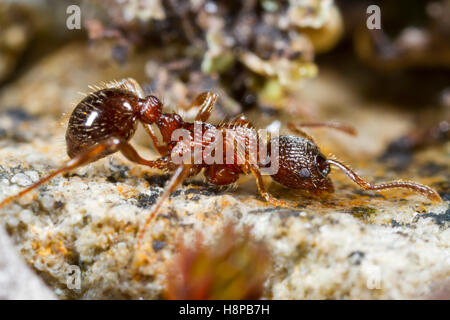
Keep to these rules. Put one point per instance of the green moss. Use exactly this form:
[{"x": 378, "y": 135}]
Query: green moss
[
  {"x": 218, "y": 64},
  {"x": 363, "y": 212}
]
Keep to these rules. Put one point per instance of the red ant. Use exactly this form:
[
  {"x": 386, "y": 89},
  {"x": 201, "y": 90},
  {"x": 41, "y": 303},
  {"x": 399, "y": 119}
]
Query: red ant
[{"x": 105, "y": 120}]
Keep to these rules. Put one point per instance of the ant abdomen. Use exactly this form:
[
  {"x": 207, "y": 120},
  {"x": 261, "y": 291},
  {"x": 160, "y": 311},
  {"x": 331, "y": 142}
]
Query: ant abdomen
[{"x": 101, "y": 115}]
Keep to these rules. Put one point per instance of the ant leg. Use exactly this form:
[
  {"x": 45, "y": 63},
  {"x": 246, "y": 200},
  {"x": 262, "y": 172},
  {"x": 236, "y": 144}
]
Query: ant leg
[
  {"x": 131, "y": 154},
  {"x": 206, "y": 102},
  {"x": 426, "y": 191},
  {"x": 242, "y": 120},
  {"x": 331, "y": 124},
  {"x": 177, "y": 178},
  {"x": 162, "y": 149},
  {"x": 94, "y": 153},
  {"x": 91, "y": 154},
  {"x": 263, "y": 191},
  {"x": 300, "y": 132}
]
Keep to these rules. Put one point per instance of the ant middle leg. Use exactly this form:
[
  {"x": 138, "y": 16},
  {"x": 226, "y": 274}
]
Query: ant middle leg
[
  {"x": 180, "y": 174},
  {"x": 161, "y": 148}
]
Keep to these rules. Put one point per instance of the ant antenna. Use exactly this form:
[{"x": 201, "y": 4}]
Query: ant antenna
[{"x": 426, "y": 191}]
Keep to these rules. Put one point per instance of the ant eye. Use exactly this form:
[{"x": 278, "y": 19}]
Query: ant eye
[
  {"x": 305, "y": 173},
  {"x": 322, "y": 166}
]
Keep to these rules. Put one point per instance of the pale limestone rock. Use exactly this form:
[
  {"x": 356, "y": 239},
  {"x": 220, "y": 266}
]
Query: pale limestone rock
[
  {"x": 17, "y": 280},
  {"x": 350, "y": 245}
]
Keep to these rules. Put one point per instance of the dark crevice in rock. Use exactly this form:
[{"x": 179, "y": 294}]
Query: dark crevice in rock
[
  {"x": 439, "y": 219},
  {"x": 146, "y": 201}
]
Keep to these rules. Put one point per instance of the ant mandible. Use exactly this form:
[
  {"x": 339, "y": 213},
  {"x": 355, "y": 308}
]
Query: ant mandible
[{"x": 105, "y": 120}]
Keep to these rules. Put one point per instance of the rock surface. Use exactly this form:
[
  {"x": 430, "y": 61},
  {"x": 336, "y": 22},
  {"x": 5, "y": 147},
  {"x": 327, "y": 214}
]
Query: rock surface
[{"x": 17, "y": 280}]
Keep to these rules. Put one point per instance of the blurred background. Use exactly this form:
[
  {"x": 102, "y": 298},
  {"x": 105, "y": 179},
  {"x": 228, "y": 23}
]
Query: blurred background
[{"x": 307, "y": 59}]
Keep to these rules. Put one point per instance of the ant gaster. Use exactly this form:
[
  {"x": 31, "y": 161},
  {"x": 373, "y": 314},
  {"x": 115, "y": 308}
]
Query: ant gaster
[{"x": 105, "y": 120}]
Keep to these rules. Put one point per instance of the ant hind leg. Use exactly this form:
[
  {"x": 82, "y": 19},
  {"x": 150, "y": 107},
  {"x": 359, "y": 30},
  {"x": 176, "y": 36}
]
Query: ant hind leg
[
  {"x": 91, "y": 154},
  {"x": 181, "y": 173}
]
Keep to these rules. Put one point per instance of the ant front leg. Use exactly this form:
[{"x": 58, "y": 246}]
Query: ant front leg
[{"x": 264, "y": 193}]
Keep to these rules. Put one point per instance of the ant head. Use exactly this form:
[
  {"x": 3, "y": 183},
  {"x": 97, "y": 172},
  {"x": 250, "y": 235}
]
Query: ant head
[
  {"x": 301, "y": 165},
  {"x": 150, "y": 109}
]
